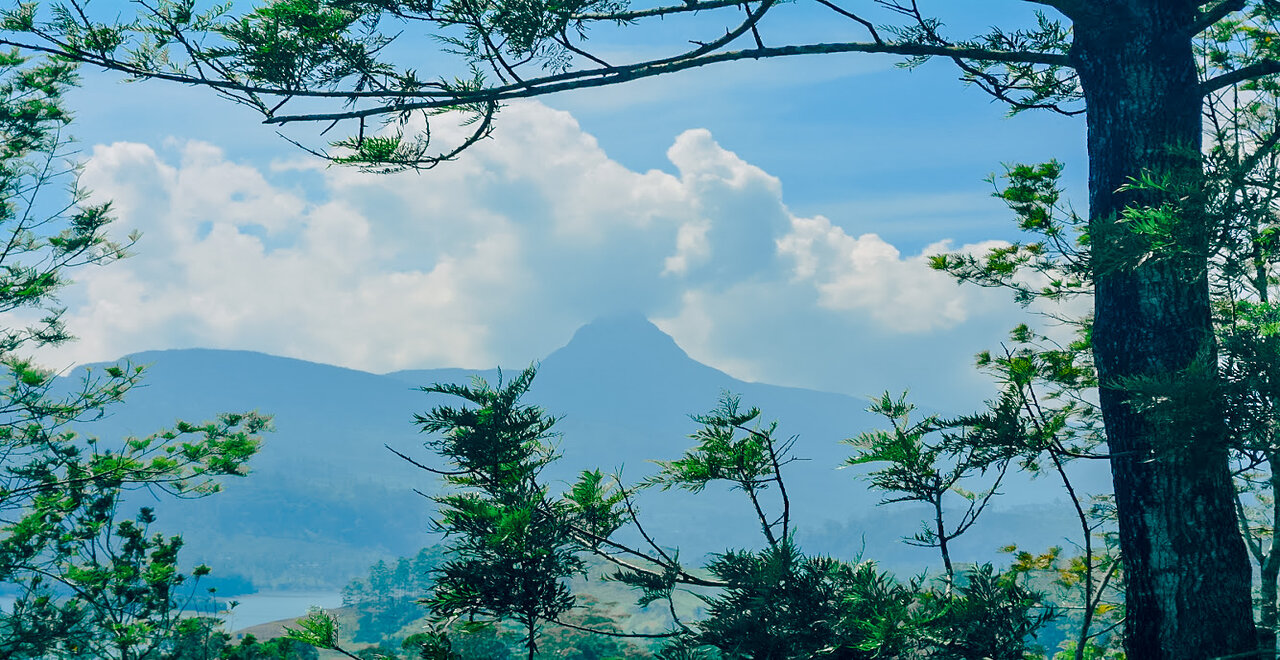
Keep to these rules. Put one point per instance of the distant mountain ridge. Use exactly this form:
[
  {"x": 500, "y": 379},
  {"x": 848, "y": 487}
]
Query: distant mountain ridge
[{"x": 325, "y": 498}]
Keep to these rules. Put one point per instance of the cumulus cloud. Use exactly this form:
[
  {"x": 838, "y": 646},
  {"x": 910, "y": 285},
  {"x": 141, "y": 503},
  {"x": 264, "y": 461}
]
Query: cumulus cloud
[
  {"x": 867, "y": 274},
  {"x": 494, "y": 258}
]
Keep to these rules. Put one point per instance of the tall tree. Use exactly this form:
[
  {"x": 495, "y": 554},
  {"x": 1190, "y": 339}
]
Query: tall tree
[
  {"x": 90, "y": 582},
  {"x": 1130, "y": 63},
  {"x": 510, "y": 549}
]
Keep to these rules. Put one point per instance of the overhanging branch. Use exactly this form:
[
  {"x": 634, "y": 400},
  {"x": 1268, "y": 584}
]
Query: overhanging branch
[
  {"x": 1243, "y": 74},
  {"x": 439, "y": 98},
  {"x": 608, "y": 76},
  {"x": 1214, "y": 12},
  {"x": 623, "y": 16}
]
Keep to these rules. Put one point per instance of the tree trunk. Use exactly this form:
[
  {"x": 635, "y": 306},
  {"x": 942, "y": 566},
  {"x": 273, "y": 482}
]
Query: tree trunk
[
  {"x": 1187, "y": 573},
  {"x": 942, "y": 542}
]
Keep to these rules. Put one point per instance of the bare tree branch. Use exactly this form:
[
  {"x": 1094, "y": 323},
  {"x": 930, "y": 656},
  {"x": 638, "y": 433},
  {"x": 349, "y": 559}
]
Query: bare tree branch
[
  {"x": 611, "y": 633},
  {"x": 1215, "y": 12},
  {"x": 624, "y": 16},
  {"x": 601, "y": 77},
  {"x": 875, "y": 36},
  {"x": 441, "y": 98},
  {"x": 446, "y": 473},
  {"x": 1245, "y": 73}
]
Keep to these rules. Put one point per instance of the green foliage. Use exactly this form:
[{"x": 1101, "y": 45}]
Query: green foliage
[
  {"x": 992, "y": 615},
  {"x": 89, "y": 583},
  {"x": 1243, "y": 166},
  {"x": 318, "y": 628},
  {"x": 509, "y": 544},
  {"x": 778, "y": 603},
  {"x": 596, "y": 506},
  {"x": 922, "y": 469},
  {"x": 98, "y": 583},
  {"x": 387, "y": 599},
  {"x": 197, "y": 638},
  {"x": 281, "y": 648},
  {"x": 435, "y": 645},
  {"x": 294, "y": 44},
  {"x": 385, "y": 604},
  {"x": 720, "y": 454},
  {"x": 304, "y": 44},
  {"x": 1243, "y": 38},
  {"x": 751, "y": 462},
  {"x": 1022, "y": 85},
  {"x": 201, "y": 638},
  {"x": 1055, "y": 265},
  {"x": 280, "y": 51},
  {"x": 1094, "y": 606},
  {"x": 41, "y": 247},
  {"x": 770, "y": 603}
]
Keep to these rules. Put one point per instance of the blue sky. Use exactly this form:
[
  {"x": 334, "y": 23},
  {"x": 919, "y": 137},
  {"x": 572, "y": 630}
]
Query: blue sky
[{"x": 772, "y": 216}]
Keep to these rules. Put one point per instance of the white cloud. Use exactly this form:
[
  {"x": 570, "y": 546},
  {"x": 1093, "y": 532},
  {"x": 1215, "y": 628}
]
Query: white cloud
[
  {"x": 494, "y": 258},
  {"x": 868, "y": 275}
]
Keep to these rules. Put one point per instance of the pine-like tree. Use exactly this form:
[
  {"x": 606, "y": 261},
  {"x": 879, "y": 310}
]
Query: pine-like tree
[{"x": 91, "y": 582}]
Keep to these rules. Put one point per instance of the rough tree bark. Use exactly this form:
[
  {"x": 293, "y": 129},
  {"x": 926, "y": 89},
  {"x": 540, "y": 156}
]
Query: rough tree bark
[{"x": 1188, "y": 575}]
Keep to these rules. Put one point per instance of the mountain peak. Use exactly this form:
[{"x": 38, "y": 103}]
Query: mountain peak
[
  {"x": 632, "y": 332},
  {"x": 616, "y": 363},
  {"x": 622, "y": 341}
]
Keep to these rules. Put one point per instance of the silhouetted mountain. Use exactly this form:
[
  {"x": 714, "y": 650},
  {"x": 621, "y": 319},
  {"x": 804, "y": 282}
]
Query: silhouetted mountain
[{"x": 325, "y": 498}]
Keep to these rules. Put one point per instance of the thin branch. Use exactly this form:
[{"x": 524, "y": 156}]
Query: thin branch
[
  {"x": 443, "y": 473},
  {"x": 1087, "y": 531},
  {"x": 1102, "y": 587},
  {"x": 875, "y": 36},
  {"x": 971, "y": 516},
  {"x": 601, "y": 77},
  {"x": 1244, "y": 73},
  {"x": 635, "y": 519},
  {"x": 550, "y": 84},
  {"x": 1109, "y": 628},
  {"x": 667, "y": 10},
  {"x": 1262, "y": 150},
  {"x": 992, "y": 85},
  {"x": 675, "y": 616},
  {"x": 612, "y": 559},
  {"x": 482, "y": 131},
  {"x": 785, "y": 517},
  {"x": 610, "y": 633},
  {"x": 564, "y": 41},
  {"x": 684, "y": 576},
  {"x": 1215, "y": 12},
  {"x": 782, "y": 490},
  {"x": 755, "y": 28},
  {"x": 760, "y": 514}
]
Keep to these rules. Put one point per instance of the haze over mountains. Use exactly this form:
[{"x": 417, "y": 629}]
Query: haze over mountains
[{"x": 325, "y": 498}]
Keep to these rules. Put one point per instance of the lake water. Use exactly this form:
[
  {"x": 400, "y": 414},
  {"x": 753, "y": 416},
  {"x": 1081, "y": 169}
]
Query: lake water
[{"x": 262, "y": 607}]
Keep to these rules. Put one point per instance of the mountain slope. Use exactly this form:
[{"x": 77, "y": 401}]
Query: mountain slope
[{"x": 325, "y": 498}]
